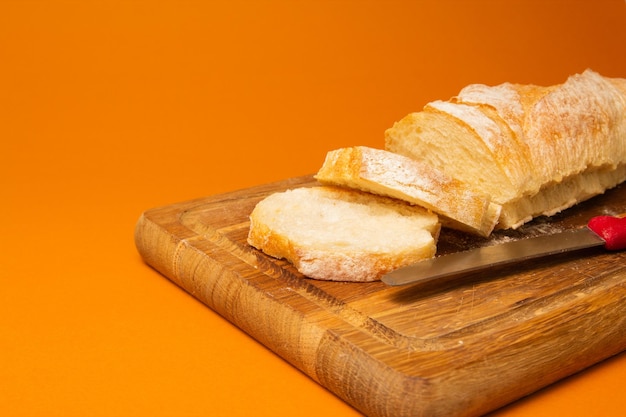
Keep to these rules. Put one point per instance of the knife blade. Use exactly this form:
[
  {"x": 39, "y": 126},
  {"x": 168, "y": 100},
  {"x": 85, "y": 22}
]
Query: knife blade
[{"x": 607, "y": 231}]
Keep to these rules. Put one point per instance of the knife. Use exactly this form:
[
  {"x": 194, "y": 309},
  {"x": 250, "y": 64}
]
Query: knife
[{"x": 607, "y": 231}]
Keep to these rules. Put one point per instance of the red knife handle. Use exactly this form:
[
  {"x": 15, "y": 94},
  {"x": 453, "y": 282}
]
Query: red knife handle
[{"x": 611, "y": 229}]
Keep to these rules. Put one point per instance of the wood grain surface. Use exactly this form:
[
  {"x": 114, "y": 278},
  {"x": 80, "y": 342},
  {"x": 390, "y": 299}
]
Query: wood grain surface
[{"x": 464, "y": 347}]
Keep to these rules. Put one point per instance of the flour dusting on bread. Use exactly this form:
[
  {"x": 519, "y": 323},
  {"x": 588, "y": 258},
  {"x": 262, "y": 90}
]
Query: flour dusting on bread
[{"x": 390, "y": 174}]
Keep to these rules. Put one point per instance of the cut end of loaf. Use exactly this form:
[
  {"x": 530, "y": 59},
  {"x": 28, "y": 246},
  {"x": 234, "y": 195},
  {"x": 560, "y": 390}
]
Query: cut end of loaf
[{"x": 336, "y": 234}]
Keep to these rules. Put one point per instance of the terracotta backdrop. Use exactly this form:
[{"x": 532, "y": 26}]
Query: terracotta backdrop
[{"x": 108, "y": 108}]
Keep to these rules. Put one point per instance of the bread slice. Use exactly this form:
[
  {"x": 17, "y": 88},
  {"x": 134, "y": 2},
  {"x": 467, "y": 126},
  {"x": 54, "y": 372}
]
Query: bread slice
[
  {"x": 393, "y": 175},
  {"x": 536, "y": 150},
  {"x": 447, "y": 144},
  {"x": 338, "y": 234}
]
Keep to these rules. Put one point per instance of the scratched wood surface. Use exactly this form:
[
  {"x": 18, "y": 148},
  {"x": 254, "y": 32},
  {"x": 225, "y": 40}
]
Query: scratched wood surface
[{"x": 464, "y": 347}]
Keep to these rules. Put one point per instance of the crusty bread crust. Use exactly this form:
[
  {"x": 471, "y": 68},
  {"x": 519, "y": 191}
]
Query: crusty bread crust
[
  {"x": 394, "y": 175},
  {"x": 536, "y": 150},
  {"x": 337, "y": 234}
]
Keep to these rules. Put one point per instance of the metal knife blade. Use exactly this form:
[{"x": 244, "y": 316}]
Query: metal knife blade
[{"x": 492, "y": 256}]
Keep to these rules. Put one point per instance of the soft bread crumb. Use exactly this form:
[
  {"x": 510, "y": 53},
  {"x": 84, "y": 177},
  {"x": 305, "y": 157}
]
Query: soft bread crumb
[{"x": 330, "y": 233}]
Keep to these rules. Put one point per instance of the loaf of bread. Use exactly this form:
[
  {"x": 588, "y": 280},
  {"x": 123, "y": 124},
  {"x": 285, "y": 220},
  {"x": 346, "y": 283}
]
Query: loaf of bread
[
  {"x": 535, "y": 150},
  {"x": 339, "y": 234},
  {"x": 394, "y": 175},
  {"x": 489, "y": 157}
]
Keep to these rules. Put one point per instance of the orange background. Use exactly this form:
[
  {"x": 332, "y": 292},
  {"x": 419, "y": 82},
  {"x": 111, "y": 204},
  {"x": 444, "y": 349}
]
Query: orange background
[{"x": 108, "y": 108}]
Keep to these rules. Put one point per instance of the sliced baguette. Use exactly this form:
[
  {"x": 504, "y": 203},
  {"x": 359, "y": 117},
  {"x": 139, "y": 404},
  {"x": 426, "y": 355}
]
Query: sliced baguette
[
  {"x": 536, "y": 150},
  {"x": 338, "y": 234},
  {"x": 393, "y": 175}
]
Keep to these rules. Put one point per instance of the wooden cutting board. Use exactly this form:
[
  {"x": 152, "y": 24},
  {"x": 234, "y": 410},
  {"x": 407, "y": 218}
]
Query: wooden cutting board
[{"x": 463, "y": 348}]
